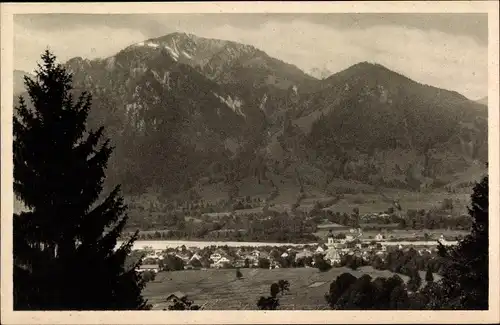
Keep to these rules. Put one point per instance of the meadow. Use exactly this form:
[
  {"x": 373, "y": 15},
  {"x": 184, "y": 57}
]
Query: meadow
[
  {"x": 221, "y": 290},
  {"x": 402, "y": 234}
]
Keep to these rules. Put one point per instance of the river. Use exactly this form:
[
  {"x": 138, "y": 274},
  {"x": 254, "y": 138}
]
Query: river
[{"x": 164, "y": 244}]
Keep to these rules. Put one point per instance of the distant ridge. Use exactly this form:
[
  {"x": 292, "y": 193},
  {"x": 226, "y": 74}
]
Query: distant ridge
[
  {"x": 19, "y": 81},
  {"x": 483, "y": 101}
]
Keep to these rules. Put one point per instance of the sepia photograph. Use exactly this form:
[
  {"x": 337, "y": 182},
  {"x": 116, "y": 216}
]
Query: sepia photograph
[{"x": 223, "y": 160}]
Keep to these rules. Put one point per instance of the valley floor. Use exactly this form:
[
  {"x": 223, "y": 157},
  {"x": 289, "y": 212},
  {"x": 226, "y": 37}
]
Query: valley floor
[{"x": 221, "y": 290}]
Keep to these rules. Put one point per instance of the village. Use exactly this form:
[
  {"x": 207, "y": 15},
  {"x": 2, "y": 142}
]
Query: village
[{"x": 333, "y": 251}]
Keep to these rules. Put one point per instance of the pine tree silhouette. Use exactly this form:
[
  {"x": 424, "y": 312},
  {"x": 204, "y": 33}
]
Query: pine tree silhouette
[
  {"x": 465, "y": 278},
  {"x": 429, "y": 277},
  {"x": 64, "y": 245}
]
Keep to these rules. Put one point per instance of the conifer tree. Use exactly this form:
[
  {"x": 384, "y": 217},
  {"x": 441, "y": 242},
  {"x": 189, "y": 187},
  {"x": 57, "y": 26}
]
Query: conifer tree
[
  {"x": 465, "y": 278},
  {"x": 238, "y": 274},
  {"x": 429, "y": 277},
  {"x": 415, "y": 281},
  {"x": 64, "y": 245}
]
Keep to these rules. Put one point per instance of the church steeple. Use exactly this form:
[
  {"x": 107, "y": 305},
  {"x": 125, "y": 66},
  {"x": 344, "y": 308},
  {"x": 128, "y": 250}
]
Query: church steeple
[{"x": 330, "y": 238}]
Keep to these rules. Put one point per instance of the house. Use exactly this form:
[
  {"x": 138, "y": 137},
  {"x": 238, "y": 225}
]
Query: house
[
  {"x": 194, "y": 263},
  {"x": 302, "y": 254},
  {"x": 184, "y": 257},
  {"x": 176, "y": 296},
  {"x": 319, "y": 250},
  {"x": 223, "y": 261},
  {"x": 149, "y": 267},
  {"x": 215, "y": 257},
  {"x": 255, "y": 253},
  {"x": 195, "y": 256}
]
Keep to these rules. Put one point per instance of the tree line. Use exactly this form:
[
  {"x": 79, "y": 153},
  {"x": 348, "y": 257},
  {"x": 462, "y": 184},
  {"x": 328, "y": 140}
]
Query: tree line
[{"x": 464, "y": 272}]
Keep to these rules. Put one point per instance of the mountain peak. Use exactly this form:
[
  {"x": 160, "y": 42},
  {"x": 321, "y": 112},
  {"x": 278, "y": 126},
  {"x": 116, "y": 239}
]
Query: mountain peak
[{"x": 366, "y": 67}]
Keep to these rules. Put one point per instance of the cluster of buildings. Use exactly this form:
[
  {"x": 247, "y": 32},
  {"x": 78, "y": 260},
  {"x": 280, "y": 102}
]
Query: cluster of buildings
[{"x": 332, "y": 251}]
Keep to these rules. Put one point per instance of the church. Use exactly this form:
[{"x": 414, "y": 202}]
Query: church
[
  {"x": 331, "y": 254},
  {"x": 330, "y": 242}
]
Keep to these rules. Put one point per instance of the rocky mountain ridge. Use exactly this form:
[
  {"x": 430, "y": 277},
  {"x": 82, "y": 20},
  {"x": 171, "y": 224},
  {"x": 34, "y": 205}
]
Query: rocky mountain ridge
[{"x": 182, "y": 109}]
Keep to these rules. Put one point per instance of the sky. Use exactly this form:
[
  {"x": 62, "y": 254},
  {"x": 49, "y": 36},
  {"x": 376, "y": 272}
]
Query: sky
[{"x": 443, "y": 50}]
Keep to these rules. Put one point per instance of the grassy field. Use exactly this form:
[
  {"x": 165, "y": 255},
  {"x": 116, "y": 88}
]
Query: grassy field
[
  {"x": 400, "y": 233},
  {"x": 220, "y": 290},
  {"x": 369, "y": 203}
]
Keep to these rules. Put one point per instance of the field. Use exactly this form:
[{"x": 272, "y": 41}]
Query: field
[
  {"x": 399, "y": 233},
  {"x": 221, "y": 290},
  {"x": 370, "y": 202},
  {"x": 356, "y": 194}
]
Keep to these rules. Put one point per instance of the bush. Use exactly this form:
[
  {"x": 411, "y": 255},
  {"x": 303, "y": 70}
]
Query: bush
[
  {"x": 275, "y": 289},
  {"x": 148, "y": 276},
  {"x": 322, "y": 265},
  {"x": 264, "y": 263},
  {"x": 284, "y": 285},
  {"x": 268, "y": 303}
]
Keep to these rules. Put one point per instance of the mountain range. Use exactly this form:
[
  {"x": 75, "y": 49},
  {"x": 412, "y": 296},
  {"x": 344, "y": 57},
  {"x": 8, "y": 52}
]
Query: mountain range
[
  {"x": 188, "y": 114},
  {"x": 483, "y": 101}
]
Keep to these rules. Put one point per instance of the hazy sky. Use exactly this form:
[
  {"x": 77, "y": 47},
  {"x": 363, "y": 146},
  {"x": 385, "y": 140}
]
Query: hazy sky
[{"x": 443, "y": 50}]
